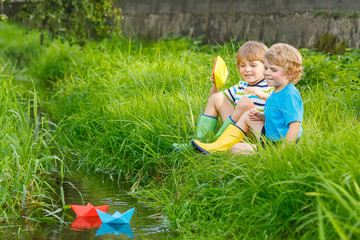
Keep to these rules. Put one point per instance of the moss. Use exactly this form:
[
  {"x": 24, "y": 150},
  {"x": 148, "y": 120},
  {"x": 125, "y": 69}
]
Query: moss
[
  {"x": 328, "y": 44},
  {"x": 337, "y": 13},
  {"x": 341, "y": 47},
  {"x": 353, "y": 14},
  {"x": 322, "y": 13}
]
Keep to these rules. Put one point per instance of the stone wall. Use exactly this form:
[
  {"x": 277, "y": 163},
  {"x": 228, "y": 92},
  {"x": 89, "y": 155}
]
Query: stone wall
[{"x": 300, "y": 23}]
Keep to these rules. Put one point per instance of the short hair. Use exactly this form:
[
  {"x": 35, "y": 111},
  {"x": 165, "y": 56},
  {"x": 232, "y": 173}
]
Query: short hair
[
  {"x": 251, "y": 51},
  {"x": 287, "y": 57}
]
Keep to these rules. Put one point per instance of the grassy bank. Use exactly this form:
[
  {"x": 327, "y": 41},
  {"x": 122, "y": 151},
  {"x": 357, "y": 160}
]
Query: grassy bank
[{"x": 121, "y": 104}]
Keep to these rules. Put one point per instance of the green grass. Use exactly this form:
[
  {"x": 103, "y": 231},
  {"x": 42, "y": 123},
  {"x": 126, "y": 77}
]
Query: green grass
[
  {"x": 120, "y": 105},
  {"x": 27, "y": 140}
]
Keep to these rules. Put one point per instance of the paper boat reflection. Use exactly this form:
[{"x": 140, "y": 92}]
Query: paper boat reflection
[
  {"x": 115, "y": 229},
  {"x": 88, "y": 210},
  {"x": 116, "y": 218},
  {"x": 82, "y": 223}
]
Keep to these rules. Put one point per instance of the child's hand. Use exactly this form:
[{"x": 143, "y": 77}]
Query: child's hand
[
  {"x": 257, "y": 92},
  {"x": 214, "y": 87},
  {"x": 255, "y": 115},
  {"x": 254, "y": 91},
  {"x": 212, "y": 79}
]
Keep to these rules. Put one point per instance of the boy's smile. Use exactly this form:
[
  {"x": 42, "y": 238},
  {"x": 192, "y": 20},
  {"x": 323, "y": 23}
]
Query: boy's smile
[
  {"x": 251, "y": 71},
  {"x": 275, "y": 76}
]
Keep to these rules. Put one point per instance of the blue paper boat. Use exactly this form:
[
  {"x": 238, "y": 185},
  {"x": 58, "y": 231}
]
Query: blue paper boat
[
  {"x": 115, "y": 229},
  {"x": 116, "y": 218}
]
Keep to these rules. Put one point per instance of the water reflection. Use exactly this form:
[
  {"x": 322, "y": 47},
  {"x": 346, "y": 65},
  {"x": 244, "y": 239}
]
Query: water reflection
[
  {"x": 115, "y": 229},
  {"x": 83, "y": 223},
  {"x": 86, "y": 223}
]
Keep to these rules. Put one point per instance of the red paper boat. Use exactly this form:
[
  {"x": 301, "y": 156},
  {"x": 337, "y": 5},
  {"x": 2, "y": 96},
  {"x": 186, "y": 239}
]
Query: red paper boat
[{"x": 88, "y": 210}]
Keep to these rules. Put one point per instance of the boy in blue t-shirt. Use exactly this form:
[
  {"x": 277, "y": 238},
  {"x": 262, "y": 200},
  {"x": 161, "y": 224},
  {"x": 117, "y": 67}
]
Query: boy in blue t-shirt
[{"x": 283, "y": 112}]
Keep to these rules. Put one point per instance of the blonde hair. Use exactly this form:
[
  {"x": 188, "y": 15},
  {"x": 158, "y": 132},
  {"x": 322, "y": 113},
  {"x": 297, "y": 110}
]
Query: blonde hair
[
  {"x": 250, "y": 51},
  {"x": 287, "y": 57}
]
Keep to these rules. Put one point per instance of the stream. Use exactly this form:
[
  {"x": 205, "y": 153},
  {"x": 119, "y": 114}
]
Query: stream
[{"x": 99, "y": 190}]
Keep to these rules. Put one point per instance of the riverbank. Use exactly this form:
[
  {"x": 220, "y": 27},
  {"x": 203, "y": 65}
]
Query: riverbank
[{"x": 120, "y": 105}]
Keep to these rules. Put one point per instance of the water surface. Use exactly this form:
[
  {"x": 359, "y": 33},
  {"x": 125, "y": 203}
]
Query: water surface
[{"x": 97, "y": 189}]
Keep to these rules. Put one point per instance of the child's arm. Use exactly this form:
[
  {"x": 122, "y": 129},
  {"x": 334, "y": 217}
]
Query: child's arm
[
  {"x": 257, "y": 92},
  {"x": 293, "y": 132}
]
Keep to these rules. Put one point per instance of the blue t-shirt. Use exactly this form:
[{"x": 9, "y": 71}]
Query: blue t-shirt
[{"x": 282, "y": 108}]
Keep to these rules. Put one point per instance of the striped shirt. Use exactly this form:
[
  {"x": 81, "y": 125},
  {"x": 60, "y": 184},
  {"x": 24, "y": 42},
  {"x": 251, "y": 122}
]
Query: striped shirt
[{"x": 237, "y": 92}]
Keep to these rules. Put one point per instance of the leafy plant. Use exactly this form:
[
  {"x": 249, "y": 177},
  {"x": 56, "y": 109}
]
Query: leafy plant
[{"x": 74, "y": 21}]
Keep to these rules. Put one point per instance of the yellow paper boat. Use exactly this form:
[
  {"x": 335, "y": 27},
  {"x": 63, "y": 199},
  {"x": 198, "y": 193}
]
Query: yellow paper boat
[{"x": 220, "y": 72}]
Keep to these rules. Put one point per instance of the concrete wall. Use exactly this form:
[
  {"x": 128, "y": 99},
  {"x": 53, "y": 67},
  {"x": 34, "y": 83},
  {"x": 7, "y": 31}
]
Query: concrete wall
[{"x": 298, "y": 22}]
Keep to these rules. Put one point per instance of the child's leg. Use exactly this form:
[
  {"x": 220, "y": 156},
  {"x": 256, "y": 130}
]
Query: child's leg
[
  {"x": 246, "y": 124},
  {"x": 244, "y": 148},
  {"x": 242, "y": 106},
  {"x": 233, "y": 134},
  {"x": 218, "y": 104}
]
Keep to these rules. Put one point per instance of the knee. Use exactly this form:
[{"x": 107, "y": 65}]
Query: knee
[
  {"x": 216, "y": 98},
  {"x": 245, "y": 116},
  {"x": 245, "y": 103}
]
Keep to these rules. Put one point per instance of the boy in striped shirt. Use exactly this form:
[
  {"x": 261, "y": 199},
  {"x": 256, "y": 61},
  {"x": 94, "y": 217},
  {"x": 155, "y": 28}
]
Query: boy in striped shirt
[{"x": 230, "y": 104}]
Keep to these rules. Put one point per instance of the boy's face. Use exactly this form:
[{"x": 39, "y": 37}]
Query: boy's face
[
  {"x": 251, "y": 71},
  {"x": 275, "y": 76}
]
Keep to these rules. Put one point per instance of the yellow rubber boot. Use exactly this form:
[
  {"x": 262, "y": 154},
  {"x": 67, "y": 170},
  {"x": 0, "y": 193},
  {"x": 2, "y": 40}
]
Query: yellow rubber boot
[{"x": 232, "y": 134}]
